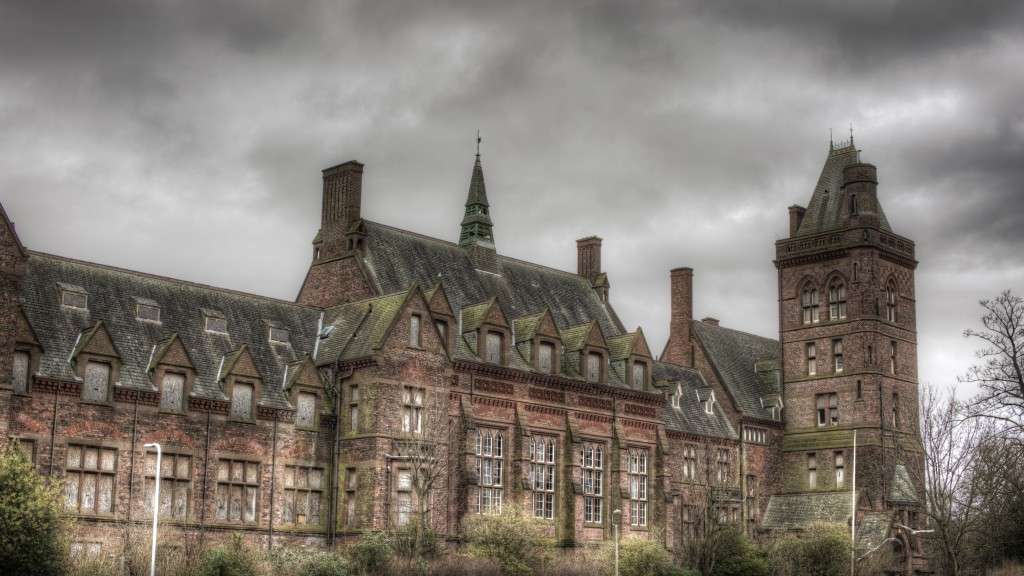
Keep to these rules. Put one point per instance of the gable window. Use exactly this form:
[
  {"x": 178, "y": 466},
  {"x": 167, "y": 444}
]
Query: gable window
[
  {"x": 351, "y": 483},
  {"x": 175, "y": 484},
  {"x": 412, "y": 410},
  {"x": 593, "y": 481},
  {"x": 828, "y": 409},
  {"x": 147, "y": 312},
  {"x": 722, "y": 471},
  {"x": 238, "y": 486},
  {"x": 812, "y": 470},
  {"x": 89, "y": 479},
  {"x": 414, "y": 331},
  {"x": 890, "y": 301},
  {"x": 639, "y": 374},
  {"x": 303, "y": 494},
  {"x": 837, "y": 355},
  {"x": 279, "y": 335},
  {"x": 305, "y": 410},
  {"x": 892, "y": 357},
  {"x": 353, "y": 408},
  {"x": 812, "y": 362},
  {"x": 840, "y": 466},
  {"x": 241, "y": 400},
  {"x": 637, "y": 487},
  {"x": 546, "y": 357},
  {"x": 490, "y": 455},
  {"x": 690, "y": 462},
  {"x": 97, "y": 382},
  {"x": 74, "y": 299},
  {"x": 837, "y": 301},
  {"x": 809, "y": 305},
  {"x": 19, "y": 371},
  {"x": 594, "y": 362},
  {"x": 442, "y": 331},
  {"x": 494, "y": 345},
  {"x": 542, "y": 476},
  {"x": 172, "y": 392}
]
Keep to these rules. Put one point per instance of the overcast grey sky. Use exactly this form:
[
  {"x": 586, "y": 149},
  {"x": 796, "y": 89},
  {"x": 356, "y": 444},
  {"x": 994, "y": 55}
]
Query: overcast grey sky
[{"x": 186, "y": 139}]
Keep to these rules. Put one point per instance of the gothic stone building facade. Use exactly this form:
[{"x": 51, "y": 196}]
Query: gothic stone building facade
[{"x": 307, "y": 422}]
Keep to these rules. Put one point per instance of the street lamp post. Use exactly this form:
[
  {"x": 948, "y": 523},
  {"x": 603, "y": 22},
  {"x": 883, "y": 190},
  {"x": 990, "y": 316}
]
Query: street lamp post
[
  {"x": 156, "y": 508},
  {"x": 616, "y": 515}
]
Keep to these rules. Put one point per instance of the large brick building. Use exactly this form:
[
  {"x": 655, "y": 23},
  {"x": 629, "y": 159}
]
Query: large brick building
[{"x": 306, "y": 421}]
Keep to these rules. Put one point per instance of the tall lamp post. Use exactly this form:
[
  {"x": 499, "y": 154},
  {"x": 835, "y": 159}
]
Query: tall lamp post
[
  {"x": 616, "y": 515},
  {"x": 156, "y": 508}
]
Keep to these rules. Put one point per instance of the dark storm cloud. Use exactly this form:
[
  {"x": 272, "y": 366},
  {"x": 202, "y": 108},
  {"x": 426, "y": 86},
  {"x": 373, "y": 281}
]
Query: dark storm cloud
[{"x": 678, "y": 132}]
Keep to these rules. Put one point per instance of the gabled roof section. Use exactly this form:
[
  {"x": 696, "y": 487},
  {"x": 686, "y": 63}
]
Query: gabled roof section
[
  {"x": 12, "y": 232},
  {"x": 626, "y": 345},
  {"x": 489, "y": 312},
  {"x": 112, "y": 299},
  {"x": 736, "y": 358},
  {"x": 575, "y": 338},
  {"x": 901, "y": 489},
  {"x": 232, "y": 360},
  {"x": 437, "y": 301},
  {"x": 360, "y": 328},
  {"x": 161, "y": 348},
  {"x": 95, "y": 339},
  {"x": 824, "y": 209},
  {"x": 301, "y": 369},
  {"x": 395, "y": 259},
  {"x": 690, "y": 416},
  {"x": 25, "y": 333},
  {"x": 528, "y": 327}
]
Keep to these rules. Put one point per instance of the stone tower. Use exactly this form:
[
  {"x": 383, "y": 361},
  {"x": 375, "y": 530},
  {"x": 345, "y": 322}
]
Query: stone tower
[{"x": 847, "y": 328}]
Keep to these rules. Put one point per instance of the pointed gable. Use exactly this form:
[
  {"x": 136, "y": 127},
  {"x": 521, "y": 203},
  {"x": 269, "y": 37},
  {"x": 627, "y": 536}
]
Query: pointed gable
[
  {"x": 540, "y": 324},
  {"x": 238, "y": 363},
  {"x": 302, "y": 372},
  {"x": 825, "y": 208},
  {"x": 8, "y": 235},
  {"x": 171, "y": 351},
  {"x": 95, "y": 340},
  {"x": 24, "y": 333},
  {"x": 575, "y": 338},
  {"x": 488, "y": 312},
  {"x": 437, "y": 301}
]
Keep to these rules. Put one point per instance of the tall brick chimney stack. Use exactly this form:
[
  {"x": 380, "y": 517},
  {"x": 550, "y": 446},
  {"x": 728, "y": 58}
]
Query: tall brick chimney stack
[
  {"x": 588, "y": 257},
  {"x": 342, "y": 202},
  {"x": 679, "y": 350},
  {"x": 796, "y": 216}
]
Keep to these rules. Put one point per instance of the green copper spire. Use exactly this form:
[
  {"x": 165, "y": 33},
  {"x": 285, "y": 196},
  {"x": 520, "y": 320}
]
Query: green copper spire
[{"x": 476, "y": 224}]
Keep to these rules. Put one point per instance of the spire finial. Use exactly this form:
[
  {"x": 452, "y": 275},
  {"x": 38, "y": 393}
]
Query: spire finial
[
  {"x": 851, "y": 134},
  {"x": 478, "y": 141},
  {"x": 831, "y": 141}
]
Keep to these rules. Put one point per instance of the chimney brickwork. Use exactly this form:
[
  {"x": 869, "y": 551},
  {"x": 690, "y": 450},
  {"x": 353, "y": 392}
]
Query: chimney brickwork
[{"x": 679, "y": 349}]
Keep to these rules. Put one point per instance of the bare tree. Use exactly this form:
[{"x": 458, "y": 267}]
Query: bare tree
[{"x": 1000, "y": 376}]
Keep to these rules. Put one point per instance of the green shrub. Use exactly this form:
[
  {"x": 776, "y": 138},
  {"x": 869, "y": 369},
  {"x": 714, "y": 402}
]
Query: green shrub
[
  {"x": 640, "y": 557},
  {"x": 293, "y": 561},
  {"x": 100, "y": 565},
  {"x": 822, "y": 550},
  {"x": 371, "y": 554},
  {"x": 518, "y": 543},
  {"x": 234, "y": 559},
  {"x": 462, "y": 566},
  {"x": 736, "y": 556},
  {"x": 32, "y": 522},
  {"x": 416, "y": 543}
]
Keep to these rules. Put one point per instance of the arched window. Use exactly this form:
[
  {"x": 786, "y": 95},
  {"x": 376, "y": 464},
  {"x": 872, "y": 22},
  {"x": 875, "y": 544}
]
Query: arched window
[
  {"x": 890, "y": 301},
  {"x": 853, "y": 204},
  {"x": 809, "y": 304},
  {"x": 837, "y": 300}
]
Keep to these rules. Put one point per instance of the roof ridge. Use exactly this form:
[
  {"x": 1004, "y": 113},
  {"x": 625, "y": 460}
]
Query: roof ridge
[
  {"x": 744, "y": 332},
  {"x": 169, "y": 279}
]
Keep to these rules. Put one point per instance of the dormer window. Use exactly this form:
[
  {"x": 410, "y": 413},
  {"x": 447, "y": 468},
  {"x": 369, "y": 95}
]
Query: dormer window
[
  {"x": 215, "y": 322},
  {"x": 241, "y": 400},
  {"x": 639, "y": 374},
  {"x": 546, "y": 357},
  {"x": 709, "y": 404},
  {"x": 96, "y": 387},
  {"x": 594, "y": 361},
  {"x": 414, "y": 331},
  {"x": 147, "y": 310},
  {"x": 277, "y": 335},
  {"x": 494, "y": 345},
  {"x": 677, "y": 396},
  {"x": 74, "y": 297},
  {"x": 305, "y": 410}
]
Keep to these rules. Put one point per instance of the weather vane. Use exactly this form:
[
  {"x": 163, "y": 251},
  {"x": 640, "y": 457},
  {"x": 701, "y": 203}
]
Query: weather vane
[{"x": 478, "y": 141}]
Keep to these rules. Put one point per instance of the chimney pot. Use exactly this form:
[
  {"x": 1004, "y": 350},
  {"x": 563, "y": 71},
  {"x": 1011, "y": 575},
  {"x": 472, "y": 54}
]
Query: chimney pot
[{"x": 710, "y": 321}]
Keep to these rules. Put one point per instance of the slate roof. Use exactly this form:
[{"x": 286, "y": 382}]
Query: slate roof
[
  {"x": 747, "y": 365},
  {"x": 825, "y": 207},
  {"x": 872, "y": 530},
  {"x": 796, "y": 511},
  {"x": 690, "y": 417},
  {"x": 357, "y": 328},
  {"x": 525, "y": 328},
  {"x": 113, "y": 294},
  {"x": 901, "y": 489},
  {"x": 395, "y": 259}
]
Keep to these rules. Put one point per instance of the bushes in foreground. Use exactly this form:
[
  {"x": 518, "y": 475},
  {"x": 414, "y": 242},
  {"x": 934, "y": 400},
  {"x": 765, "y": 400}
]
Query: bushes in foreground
[
  {"x": 518, "y": 543},
  {"x": 822, "y": 550},
  {"x": 32, "y": 521}
]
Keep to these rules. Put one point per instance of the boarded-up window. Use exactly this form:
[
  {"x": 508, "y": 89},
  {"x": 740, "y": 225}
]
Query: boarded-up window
[
  {"x": 412, "y": 409},
  {"x": 175, "y": 484},
  {"x": 172, "y": 391},
  {"x": 147, "y": 312},
  {"x": 593, "y": 367},
  {"x": 546, "y": 357},
  {"x": 241, "y": 401},
  {"x": 494, "y": 345},
  {"x": 351, "y": 483},
  {"x": 305, "y": 409},
  {"x": 20, "y": 370},
  {"x": 238, "y": 485},
  {"x": 639, "y": 374},
  {"x": 303, "y": 494},
  {"x": 90, "y": 472},
  {"x": 414, "y": 331},
  {"x": 74, "y": 299},
  {"x": 404, "y": 497},
  {"x": 97, "y": 382}
]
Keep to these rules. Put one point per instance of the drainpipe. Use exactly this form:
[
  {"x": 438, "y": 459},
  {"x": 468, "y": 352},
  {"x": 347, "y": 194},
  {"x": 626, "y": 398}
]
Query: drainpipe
[
  {"x": 273, "y": 477},
  {"x": 53, "y": 431}
]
